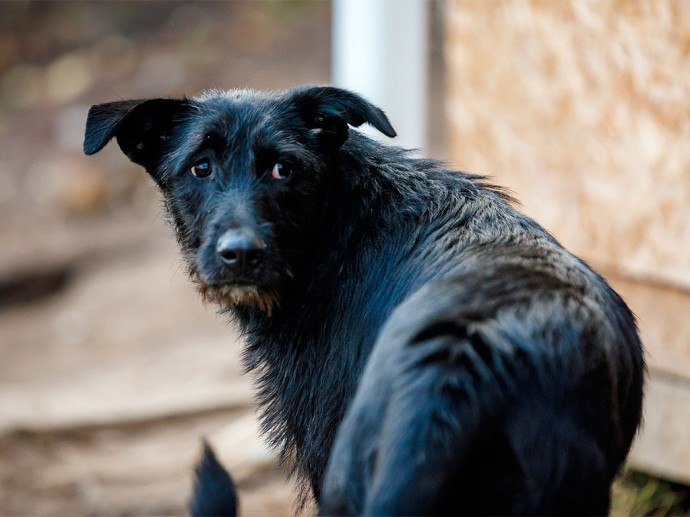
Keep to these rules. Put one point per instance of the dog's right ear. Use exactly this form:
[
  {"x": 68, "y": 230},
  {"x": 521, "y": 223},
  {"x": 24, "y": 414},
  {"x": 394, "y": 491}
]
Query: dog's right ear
[{"x": 141, "y": 127}]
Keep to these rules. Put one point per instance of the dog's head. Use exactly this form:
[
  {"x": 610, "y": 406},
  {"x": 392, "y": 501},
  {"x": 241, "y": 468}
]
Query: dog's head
[{"x": 244, "y": 176}]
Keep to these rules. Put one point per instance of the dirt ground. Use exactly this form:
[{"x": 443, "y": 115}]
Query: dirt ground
[{"x": 112, "y": 370}]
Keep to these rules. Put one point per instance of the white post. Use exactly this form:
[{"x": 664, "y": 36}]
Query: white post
[{"x": 380, "y": 52}]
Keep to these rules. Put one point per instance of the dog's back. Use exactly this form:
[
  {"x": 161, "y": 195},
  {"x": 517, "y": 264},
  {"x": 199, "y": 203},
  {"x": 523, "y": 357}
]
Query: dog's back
[{"x": 421, "y": 346}]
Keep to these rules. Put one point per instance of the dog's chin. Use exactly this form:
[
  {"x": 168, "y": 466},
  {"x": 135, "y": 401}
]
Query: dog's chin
[{"x": 231, "y": 295}]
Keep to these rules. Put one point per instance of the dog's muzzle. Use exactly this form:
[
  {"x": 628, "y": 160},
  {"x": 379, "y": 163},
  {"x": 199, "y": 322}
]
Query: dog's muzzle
[
  {"x": 240, "y": 253},
  {"x": 240, "y": 249}
]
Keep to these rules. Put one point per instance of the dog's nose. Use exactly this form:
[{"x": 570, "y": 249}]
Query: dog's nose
[{"x": 240, "y": 247}]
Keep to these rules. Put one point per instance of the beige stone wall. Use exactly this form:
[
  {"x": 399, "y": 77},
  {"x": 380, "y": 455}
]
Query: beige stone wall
[{"x": 582, "y": 108}]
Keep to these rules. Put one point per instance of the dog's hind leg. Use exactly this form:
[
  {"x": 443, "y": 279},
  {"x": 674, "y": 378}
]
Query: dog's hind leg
[{"x": 459, "y": 415}]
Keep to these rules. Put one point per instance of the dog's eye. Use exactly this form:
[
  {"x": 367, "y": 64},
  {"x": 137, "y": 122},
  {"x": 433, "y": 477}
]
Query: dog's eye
[
  {"x": 201, "y": 169},
  {"x": 281, "y": 171}
]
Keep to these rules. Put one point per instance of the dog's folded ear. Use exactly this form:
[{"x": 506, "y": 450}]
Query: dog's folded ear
[
  {"x": 331, "y": 109},
  {"x": 141, "y": 127}
]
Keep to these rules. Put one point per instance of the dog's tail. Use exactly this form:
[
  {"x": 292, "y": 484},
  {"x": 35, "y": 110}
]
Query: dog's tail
[{"x": 214, "y": 493}]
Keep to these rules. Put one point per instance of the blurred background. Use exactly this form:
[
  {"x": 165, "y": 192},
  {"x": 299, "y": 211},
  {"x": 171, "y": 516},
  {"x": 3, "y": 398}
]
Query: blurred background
[{"x": 111, "y": 370}]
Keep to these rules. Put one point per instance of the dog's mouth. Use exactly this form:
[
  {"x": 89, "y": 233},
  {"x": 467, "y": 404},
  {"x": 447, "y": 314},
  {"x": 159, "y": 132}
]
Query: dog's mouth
[{"x": 230, "y": 295}]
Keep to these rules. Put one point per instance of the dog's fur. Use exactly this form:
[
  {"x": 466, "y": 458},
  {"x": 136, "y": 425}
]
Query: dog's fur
[{"x": 421, "y": 346}]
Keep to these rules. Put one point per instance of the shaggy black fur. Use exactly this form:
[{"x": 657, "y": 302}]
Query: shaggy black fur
[{"x": 420, "y": 346}]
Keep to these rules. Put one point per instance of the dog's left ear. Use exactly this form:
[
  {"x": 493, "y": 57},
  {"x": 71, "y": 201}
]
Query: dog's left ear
[
  {"x": 141, "y": 127},
  {"x": 331, "y": 109}
]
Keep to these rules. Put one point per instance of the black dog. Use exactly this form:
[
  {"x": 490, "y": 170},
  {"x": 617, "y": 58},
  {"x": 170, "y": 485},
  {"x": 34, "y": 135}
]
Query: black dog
[{"x": 421, "y": 347}]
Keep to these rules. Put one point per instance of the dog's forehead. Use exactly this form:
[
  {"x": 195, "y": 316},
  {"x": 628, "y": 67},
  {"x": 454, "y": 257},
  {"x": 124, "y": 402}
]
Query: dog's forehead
[{"x": 238, "y": 109}]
